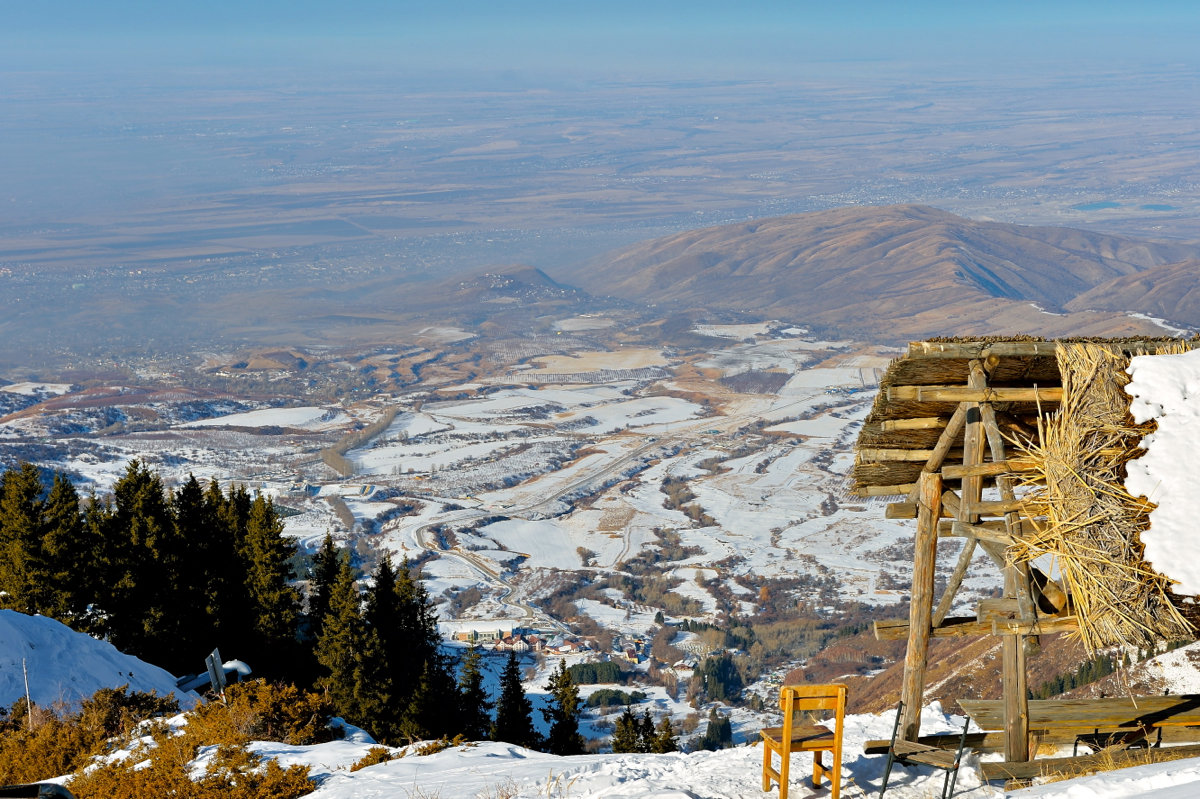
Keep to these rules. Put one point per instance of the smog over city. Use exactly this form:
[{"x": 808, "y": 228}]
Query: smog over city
[{"x": 577, "y": 309}]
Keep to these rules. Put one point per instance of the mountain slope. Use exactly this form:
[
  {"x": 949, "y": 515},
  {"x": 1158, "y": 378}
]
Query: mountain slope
[
  {"x": 1170, "y": 292},
  {"x": 899, "y": 271}
]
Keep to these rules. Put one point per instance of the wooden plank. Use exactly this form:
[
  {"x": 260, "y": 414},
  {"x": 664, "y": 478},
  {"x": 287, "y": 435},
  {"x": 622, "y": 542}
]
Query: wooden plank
[
  {"x": 968, "y": 394},
  {"x": 1002, "y": 770},
  {"x": 1116, "y": 712},
  {"x": 992, "y": 608},
  {"x": 976, "y": 742},
  {"x": 994, "y": 507},
  {"x": 886, "y": 455},
  {"x": 920, "y": 605},
  {"x": 955, "y": 581},
  {"x": 947, "y": 528},
  {"x": 897, "y": 629},
  {"x": 883, "y": 491},
  {"x": 991, "y": 469},
  {"x": 1012, "y": 679},
  {"x": 972, "y": 485},
  {"x": 900, "y": 510},
  {"x": 919, "y": 423}
]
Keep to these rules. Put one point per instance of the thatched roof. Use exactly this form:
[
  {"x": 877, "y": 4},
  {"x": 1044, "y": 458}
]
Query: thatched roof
[{"x": 1074, "y": 435}]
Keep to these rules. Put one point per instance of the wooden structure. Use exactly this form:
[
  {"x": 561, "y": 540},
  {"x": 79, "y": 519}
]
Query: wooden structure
[
  {"x": 940, "y": 439},
  {"x": 806, "y": 737}
]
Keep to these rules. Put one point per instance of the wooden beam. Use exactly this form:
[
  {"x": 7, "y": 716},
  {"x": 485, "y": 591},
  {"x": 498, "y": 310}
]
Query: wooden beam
[
  {"x": 921, "y": 423},
  {"x": 1001, "y": 770},
  {"x": 995, "y": 507},
  {"x": 981, "y": 349},
  {"x": 976, "y": 742},
  {"x": 955, "y": 581},
  {"x": 945, "y": 441},
  {"x": 979, "y": 532},
  {"x": 992, "y": 469},
  {"x": 880, "y": 455},
  {"x": 883, "y": 491},
  {"x": 912, "y": 692},
  {"x": 946, "y": 528},
  {"x": 900, "y": 510},
  {"x": 969, "y": 626},
  {"x": 967, "y": 394},
  {"x": 1012, "y": 679}
]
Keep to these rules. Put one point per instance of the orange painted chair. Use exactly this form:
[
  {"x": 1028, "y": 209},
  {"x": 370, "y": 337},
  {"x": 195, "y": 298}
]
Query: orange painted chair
[{"x": 805, "y": 736}]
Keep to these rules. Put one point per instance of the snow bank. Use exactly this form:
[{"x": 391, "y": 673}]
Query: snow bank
[
  {"x": 65, "y": 666},
  {"x": 1166, "y": 388}
]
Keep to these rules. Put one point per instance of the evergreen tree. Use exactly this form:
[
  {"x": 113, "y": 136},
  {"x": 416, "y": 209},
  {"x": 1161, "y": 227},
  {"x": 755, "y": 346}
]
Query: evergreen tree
[
  {"x": 664, "y": 740},
  {"x": 718, "y": 734},
  {"x": 646, "y": 733},
  {"x": 191, "y": 626},
  {"x": 514, "y": 713},
  {"x": 69, "y": 556},
  {"x": 563, "y": 714},
  {"x": 274, "y": 604},
  {"x": 626, "y": 734},
  {"x": 22, "y": 569},
  {"x": 324, "y": 573},
  {"x": 473, "y": 699},
  {"x": 340, "y": 646},
  {"x": 433, "y": 707}
]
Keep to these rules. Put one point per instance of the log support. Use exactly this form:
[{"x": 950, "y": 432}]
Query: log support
[{"x": 920, "y": 626}]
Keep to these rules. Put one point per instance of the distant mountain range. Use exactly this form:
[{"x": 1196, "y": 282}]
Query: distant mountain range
[{"x": 907, "y": 272}]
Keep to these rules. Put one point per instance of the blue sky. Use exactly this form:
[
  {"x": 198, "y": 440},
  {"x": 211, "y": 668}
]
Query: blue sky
[{"x": 536, "y": 36}]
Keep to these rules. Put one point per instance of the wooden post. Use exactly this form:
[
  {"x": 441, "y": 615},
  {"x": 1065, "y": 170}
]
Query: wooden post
[
  {"x": 920, "y": 624},
  {"x": 1016, "y": 703}
]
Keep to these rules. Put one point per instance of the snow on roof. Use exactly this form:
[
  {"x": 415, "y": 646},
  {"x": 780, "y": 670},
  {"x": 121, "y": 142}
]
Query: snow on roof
[{"x": 1166, "y": 389}]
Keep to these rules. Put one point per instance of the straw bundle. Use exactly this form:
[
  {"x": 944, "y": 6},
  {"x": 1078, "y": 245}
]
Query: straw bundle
[{"x": 1092, "y": 526}]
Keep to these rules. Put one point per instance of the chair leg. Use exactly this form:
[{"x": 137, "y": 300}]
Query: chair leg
[
  {"x": 818, "y": 769},
  {"x": 766, "y": 766},
  {"x": 887, "y": 772},
  {"x": 835, "y": 776},
  {"x": 785, "y": 761}
]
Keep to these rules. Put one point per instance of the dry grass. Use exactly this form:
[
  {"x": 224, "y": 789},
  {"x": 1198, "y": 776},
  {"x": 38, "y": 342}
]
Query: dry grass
[{"x": 1091, "y": 525}]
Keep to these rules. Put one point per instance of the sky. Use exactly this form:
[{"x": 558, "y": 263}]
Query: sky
[{"x": 529, "y": 37}]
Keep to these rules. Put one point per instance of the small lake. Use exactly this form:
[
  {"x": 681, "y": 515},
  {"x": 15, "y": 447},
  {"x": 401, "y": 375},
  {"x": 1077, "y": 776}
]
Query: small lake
[{"x": 1100, "y": 206}]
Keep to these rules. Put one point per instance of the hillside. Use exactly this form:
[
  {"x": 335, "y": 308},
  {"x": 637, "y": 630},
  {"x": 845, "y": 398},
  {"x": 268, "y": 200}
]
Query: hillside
[
  {"x": 898, "y": 272},
  {"x": 1171, "y": 291}
]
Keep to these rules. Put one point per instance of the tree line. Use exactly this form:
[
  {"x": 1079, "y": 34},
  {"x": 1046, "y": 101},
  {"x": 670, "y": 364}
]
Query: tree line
[{"x": 168, "y": 575}]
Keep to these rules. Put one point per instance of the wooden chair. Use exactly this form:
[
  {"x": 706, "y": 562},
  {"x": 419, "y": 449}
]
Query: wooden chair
[
  {"x": 908, "y": 753},
  {"x": 806, "y": 737}
]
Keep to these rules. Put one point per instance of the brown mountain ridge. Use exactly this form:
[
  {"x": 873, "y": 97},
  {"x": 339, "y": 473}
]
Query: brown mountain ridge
[{"x": 905, "y": 272}]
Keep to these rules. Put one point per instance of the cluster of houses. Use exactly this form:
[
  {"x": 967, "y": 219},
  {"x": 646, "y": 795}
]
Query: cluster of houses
[{"x": 504, "y": 637}]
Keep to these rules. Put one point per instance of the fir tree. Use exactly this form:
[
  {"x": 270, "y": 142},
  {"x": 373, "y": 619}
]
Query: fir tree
[
  {"x": 274, "y": 603},
  {"x": 22, "y": 570},
  {"x": 324, "y": 573},
  {"x": 646, "y": 733},
  {"x": 340, "y": 646},
  {"x": 626, "y": 734},
  {"x": 664, "y": 740},
  {"x": 563, "y": 714},
  {"x": 473, "y": 699},
  {"x": 514, "y": 713}
]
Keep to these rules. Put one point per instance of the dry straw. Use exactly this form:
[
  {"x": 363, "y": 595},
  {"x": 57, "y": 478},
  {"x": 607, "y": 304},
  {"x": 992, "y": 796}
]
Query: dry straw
[{"x": 1090, "y": 524}]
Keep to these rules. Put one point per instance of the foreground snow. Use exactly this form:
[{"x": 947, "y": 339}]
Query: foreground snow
[{"x": 65, "y": 667}]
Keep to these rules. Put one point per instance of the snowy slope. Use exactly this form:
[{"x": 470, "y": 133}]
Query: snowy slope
[{"x": 66, "y": 666}]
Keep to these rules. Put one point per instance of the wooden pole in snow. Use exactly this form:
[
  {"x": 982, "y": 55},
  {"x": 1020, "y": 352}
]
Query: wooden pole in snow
[{"x": 920, "y": 609}]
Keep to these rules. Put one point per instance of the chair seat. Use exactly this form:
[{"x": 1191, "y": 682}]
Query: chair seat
[{"x": 803, "y": 736}]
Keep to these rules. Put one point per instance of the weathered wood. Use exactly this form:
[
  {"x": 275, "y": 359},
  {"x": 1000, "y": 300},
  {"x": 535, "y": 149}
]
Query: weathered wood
[
  {"x": 920, "y": 423},
  {"x": 976, "y": 742},
  {"x": 921, "y": 604},
  {"x": 980, "y": 349},
  {"x": 944, "y": 443},
  {"x": 1001, "y": 770},
  {"x": 993, "y": 507},
  {"x": 955, "y": 581},
  {"x": 882, "y": 455},
  {"x": 947, "y": 528},
  {"x": 1011, "y": 466},
  {"x": 951, "y": 503},
  {"x": 991, "y": 609},
  {"x": 966, "y": 394},
  {"x": 883, "y": 491},
  {"x": 1012, "y": 677},
  {"x": 972, "y": 485},
  {"x": 980, "y": 532},
  {"x": 1109, "y": 713},
  {"x": 970, "y": 627},
  {"x": 900, "y": 510}
]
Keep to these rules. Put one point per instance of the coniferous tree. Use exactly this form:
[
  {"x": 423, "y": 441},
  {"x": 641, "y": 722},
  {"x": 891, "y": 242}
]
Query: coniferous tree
[
  {"x": 563, "y": 714},
  {"x": 340, "y": 646},
  {"x": 69, "y": 556},
  {"x": 324, "y": 573},
  {"x": 664, "y": 740},
  {"x": 646, "y": 733},
  {"x": 274, "y": 604},
  {"x": 514, "y": 713},
  {"x": 22, "y": 570},
  {"x": 473, "y": 698},
  {"x": 226, "y": 595},
  {"x": 626, "y": 734},
  {"x": 191, "y": 626},
  {"x": 382, "y": 699}
]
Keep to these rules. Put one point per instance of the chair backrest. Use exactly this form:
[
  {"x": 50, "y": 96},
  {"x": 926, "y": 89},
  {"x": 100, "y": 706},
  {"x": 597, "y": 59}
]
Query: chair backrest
[{"x": 795, "y": 698}]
